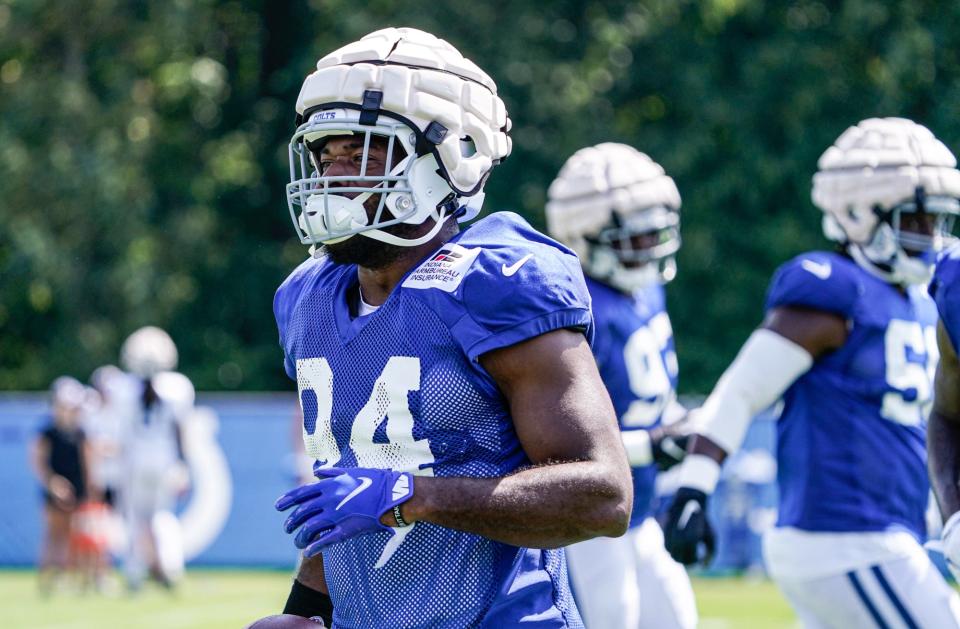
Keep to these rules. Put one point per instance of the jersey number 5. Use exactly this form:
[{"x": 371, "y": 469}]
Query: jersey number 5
[{"x": 909, "y": 402}]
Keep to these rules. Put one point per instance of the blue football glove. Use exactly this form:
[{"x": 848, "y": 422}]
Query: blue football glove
[{"x": 344, "y": 503}]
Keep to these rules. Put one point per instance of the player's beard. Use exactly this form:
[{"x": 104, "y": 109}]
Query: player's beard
[{"x": 369, "y": 253}]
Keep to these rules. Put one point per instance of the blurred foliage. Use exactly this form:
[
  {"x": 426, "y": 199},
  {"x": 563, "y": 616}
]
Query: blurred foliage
[{"x": 143, "y": 149}]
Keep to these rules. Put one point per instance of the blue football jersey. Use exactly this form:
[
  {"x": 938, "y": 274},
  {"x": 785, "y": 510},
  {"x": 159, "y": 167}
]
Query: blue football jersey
[
  {"x": 945, "y": 290},
  {"x": 633, "y": 345},
  {"x": 850, "y": 446},
  {"x": 402, "y": 388}
]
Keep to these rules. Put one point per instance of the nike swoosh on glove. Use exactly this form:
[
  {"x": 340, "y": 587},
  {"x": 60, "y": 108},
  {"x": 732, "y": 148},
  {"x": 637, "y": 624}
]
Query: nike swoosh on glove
[
  {"x": 343, "y": 504},
  {"x": 668, "y": 448},
  {"x": 687, "y": 528}
]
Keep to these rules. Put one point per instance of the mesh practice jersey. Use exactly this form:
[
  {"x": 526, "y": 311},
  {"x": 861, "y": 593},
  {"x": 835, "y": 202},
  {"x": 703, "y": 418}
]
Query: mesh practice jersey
[
  {"x": 634, "y": 349},
  {"x": 402, "y": 388},
  {"x": 851, "y": 449}
]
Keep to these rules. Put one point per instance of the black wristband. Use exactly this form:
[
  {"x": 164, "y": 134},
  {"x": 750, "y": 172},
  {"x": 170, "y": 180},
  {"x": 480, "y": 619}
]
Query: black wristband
[
  {"x": 399, "y": 517},
  {"x": 307, "y": 602}
]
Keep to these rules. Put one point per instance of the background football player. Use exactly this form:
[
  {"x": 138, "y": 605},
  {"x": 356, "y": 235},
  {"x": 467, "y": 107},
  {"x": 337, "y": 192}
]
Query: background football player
[
  {"x": 619, "y": 211},
  {"x": 450, "y": 398},
  {"x": 848, "y": 341},
  {"x": 943, "y": 433},
  {"x": 154, "y": 469}
]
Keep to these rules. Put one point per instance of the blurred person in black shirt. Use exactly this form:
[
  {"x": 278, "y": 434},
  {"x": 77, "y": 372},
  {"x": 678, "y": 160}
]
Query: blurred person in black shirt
[{"x": 61, "y": 462}]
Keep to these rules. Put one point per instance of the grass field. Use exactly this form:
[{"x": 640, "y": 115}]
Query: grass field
[{"x": 230, "y": 599}]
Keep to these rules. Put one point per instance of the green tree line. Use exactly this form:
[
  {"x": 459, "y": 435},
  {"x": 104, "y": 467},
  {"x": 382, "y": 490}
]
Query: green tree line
[{"x": 143, "y": 149}]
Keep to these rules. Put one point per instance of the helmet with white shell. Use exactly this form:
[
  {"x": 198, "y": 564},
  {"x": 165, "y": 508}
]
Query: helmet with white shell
[
  {"x": 425, "y": 98},
  {"x": 877, "y": 176},
  {"x": 604, "y": 200}
]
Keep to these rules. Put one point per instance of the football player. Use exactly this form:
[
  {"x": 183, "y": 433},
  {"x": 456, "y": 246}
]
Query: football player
[
  {"x": 460, "y": 428},
  {"x": 848, "y": 341},
  {"x": 619, "y": 211},
  {"x": 943, "y": 433},
  {"x": 153, "y": 462}
]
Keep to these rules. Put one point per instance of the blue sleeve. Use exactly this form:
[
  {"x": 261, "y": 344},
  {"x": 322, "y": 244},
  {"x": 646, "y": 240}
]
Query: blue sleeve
[
  {"x": 819, "y": 281},
  {"x": 945, "y": 291},
  {"x": 603, "y": 344},
  {"x": 284, "y": 302},
  {"x": 281, "y": 313},
  {"x": 522, "y": 285}
]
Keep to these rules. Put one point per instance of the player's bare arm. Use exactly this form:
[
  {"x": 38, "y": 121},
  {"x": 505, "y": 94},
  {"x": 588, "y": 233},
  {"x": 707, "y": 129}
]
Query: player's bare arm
[
  {"x": 310, "y": 596},
  {"x": 579, "y": 486},
  {"x": 815, "y": 331},
  {"x": 943, "y": 430},
  {"x": 780, "y": 351},
  {"x": 311, "y": 573}
]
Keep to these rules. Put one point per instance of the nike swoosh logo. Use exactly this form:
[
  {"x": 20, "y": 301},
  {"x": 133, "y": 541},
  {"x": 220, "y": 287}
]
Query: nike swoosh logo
[
  {"x": 689, "y": 509},
  {"x": 513, "y": 268},
  {"x": 821, "y": 270},
  {"x": 401, "y": 488},
  {"x": 364, "y": 483}
]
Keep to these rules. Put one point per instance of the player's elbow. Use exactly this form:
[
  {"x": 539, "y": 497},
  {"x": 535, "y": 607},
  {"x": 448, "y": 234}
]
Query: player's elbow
[
  {"x": 618, "y": 520},
  {"x": 610, "y": 516}
]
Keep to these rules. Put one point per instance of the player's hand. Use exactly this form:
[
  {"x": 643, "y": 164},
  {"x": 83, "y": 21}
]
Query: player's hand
[
  {"x": 344, "y": 503},
  {"x": 668, "y": 446},
  {"x": 687, "y": 528}
]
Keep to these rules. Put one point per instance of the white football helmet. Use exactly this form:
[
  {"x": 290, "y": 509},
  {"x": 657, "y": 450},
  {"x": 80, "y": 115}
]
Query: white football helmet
[
  {"x": 882, "y": 181},
  {"x": 147, "y": 352},
  {"x": 418, "y": 92},
  {"x": 604, "y": 199}
]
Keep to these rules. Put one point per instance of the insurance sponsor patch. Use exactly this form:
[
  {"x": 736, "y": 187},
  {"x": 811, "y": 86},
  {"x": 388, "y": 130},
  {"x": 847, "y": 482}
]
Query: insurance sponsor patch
[{"x": 444, "y": 270}]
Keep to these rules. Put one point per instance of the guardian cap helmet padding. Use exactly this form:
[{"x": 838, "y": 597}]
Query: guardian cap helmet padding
[
  {"x": 877, "y": 176},
  {"x": 603, "y": 199},
  {"x": 418, "y": 92}
]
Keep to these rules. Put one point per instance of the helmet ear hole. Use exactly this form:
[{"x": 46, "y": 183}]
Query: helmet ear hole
[{"x": 428, "y": 191}]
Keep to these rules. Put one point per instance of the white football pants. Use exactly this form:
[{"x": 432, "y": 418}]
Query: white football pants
[
  {"x": 907, "y": 592},
  {"x": 631, "y": 581},
  {"x": 154, "y": 532}
]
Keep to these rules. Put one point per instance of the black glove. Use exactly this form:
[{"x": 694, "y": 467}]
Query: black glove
[
  {"x": 687, "y": 528},
  {"x": 668, "y": 448}
]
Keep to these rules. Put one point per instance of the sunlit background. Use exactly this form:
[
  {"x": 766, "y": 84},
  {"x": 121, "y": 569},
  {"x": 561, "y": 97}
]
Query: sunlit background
[{"x": 143, "y": 150}]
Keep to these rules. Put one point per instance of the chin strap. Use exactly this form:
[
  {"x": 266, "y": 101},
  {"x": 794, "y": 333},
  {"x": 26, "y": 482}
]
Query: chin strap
[
  {"x": 869, "y": 265},
  {"x": 895, "y": 274},
  {"x": 391, "y": 239}
]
